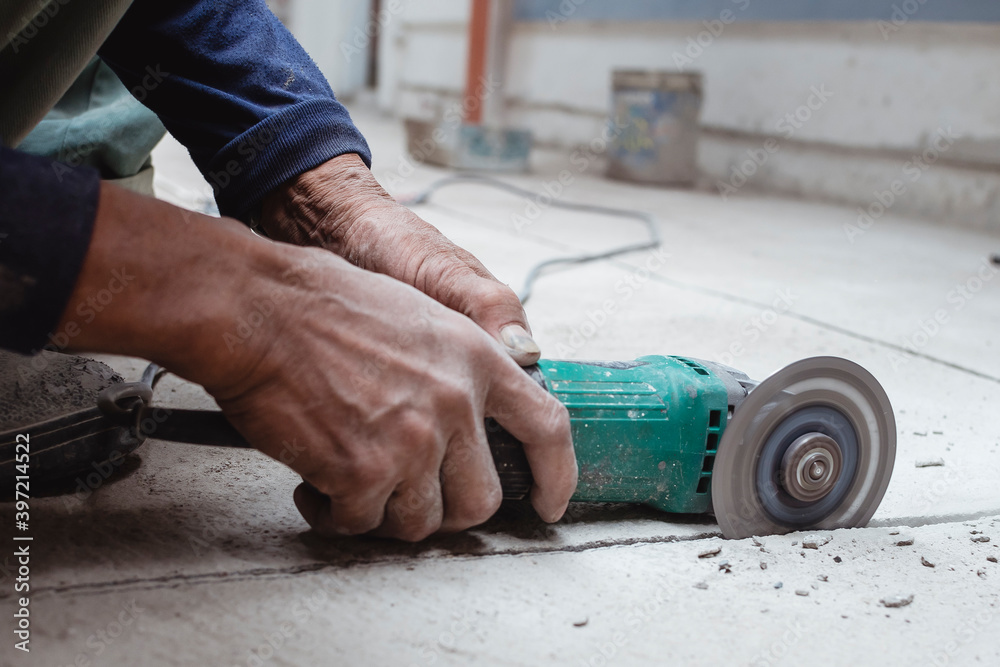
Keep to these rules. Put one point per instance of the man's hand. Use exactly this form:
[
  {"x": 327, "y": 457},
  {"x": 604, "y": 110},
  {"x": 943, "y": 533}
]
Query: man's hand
[
  {"x": 382, "y": 389},
  {"x": 341, "y": 207}
]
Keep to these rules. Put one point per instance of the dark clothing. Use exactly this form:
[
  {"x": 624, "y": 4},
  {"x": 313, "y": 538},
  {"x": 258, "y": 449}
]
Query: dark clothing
[{"x": 229, "y": 82}]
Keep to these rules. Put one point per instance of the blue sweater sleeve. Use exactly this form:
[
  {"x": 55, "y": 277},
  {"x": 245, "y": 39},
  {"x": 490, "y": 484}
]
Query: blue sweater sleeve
[
  {"x": 232, "y": 84},
  {"x": 46, "y": 219}
]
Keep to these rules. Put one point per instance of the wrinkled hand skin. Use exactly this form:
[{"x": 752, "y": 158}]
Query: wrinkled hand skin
[
  {"x": 412, "y": 439},
  {"x": 372, "y": 391},
  {"x": 340, "y": 206},
  {"x": 390, "y": 406}
]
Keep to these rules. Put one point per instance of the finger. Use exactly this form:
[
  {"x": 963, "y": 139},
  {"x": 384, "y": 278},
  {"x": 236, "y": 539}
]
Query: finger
[
  {"x": 340, "y": 515},
  {"x": 541, "y": 423},
  {"x": 415, "y": 509},
  {"x": 469, "y": 481},
  {"x": 497, "y": 310}
]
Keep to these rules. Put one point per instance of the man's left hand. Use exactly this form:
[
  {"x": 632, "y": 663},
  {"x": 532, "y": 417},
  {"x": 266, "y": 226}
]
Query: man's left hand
[{"x": 341, "y": 207}]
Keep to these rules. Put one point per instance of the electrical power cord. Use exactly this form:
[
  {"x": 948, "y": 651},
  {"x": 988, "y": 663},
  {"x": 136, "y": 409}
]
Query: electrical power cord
[{"x": 650, "y": 221}]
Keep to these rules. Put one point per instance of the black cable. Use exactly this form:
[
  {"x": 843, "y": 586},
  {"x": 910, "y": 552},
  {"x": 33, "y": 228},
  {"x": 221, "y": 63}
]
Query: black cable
[{"x": 647, "y": 219}]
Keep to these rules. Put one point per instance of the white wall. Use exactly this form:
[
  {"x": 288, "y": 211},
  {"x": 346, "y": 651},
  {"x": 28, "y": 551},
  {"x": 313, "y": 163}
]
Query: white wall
[
  {"x": 888, "y": 96},
  {"x": 336, "y": 35}
]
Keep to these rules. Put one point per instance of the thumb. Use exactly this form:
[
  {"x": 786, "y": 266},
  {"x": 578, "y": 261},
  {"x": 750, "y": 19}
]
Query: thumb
[
  {"x": 497, "y": 310},
  {"x": 520, "y": 345}
]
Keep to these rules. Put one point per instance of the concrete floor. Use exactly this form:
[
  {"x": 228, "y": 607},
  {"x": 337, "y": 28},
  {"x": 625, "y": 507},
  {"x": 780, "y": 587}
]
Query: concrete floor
[{"x": 206, "y": 552}]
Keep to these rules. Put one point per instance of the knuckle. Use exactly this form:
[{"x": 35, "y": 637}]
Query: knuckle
[
  {"x": 354, "y": 519},
  {"x": 555, "y": 421},
  {"x": 486, "y": 503},
  {"x": 455, "y": 393},
  {"x": 418, "y": 528},
  {"x": 362, "y": 472},
  {"x": 489, "y": 294},
  {"x": 477, "y": 507},
  {"x": 419, "y": 431}
]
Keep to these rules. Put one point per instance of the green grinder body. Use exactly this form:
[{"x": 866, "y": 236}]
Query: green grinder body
[{"x": 645, "y": 431}]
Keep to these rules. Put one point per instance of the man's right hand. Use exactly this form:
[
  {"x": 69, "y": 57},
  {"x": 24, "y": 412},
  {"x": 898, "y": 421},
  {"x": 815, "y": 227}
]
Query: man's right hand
[{"x": 382, "y": 391}]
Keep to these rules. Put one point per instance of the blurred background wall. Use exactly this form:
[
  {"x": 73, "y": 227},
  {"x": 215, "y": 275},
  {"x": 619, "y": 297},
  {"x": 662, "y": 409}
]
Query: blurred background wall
[{"x": 852, "y": 90}]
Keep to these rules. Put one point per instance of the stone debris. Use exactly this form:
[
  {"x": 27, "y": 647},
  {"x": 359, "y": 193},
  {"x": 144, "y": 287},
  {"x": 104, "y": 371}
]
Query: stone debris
[
  {"x": 701, "y": 585},
  {"x": 982, "y": 539},
  {"x": 905, "y": 541},
  {"x": 991, "y": 559},
  {"x": 763, "y": 565},
  {"x": 816, "y": 541},
  {"x": 778, "y": 585},
  {"x": 981, "y": 574},
  {"x": 894, "y": 532},
  {"x": 580, "y": 624},
  {"x": 894, "y": 601},
  {"x": 725, "y": 566},
  {"x": 756, "y": 542},
  {"x": 802, "y": 593},
  {"x": 823, "y": 577},
  {"x": 929, "y": 463},
  {"x": 709, "y": 553},
  {"x": 925, "y": 562},
  {"x": 837, "y": 559}
]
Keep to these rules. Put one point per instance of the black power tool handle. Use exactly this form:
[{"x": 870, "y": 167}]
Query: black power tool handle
[{"x": 211, "y": 428}]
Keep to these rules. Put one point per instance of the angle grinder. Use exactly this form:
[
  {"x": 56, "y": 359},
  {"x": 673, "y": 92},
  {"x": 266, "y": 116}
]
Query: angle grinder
[{"x": 810, "y": 447}]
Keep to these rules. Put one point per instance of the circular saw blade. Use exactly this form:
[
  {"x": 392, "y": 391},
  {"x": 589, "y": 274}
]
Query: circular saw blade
[{"x": 745, "y": 502}]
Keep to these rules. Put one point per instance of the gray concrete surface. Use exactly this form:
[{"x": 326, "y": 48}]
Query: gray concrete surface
[{"x": 197, "y": 556}]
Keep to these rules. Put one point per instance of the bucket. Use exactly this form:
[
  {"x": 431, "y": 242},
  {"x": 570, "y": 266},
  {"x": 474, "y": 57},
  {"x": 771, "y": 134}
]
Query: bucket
[{"x": 654, "y": 127}]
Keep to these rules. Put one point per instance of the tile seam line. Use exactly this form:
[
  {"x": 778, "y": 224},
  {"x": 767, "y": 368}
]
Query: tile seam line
[
  {"x": 726, "y": 296},
  {"x": 255, "y": 574},
  {"x": 174, "y": 581}
]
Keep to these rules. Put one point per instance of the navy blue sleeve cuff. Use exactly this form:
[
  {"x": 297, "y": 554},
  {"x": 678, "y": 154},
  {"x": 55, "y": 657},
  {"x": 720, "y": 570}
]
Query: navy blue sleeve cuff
[
  {"x": 234, "y": 86},
  {"x": 47, "y": 212},
  {"x": 280, "y": 147}
]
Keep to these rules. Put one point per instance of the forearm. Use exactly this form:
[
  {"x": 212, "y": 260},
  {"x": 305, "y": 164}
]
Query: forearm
[{"x": 165, "y": 284}]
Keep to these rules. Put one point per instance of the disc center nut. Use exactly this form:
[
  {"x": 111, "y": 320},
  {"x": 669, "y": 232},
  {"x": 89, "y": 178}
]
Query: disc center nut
[{"x": 810, "y": 466}]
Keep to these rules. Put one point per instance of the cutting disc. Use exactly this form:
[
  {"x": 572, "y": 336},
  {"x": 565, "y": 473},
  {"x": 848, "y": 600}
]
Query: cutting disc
[{"x": 811, "y": 447}]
